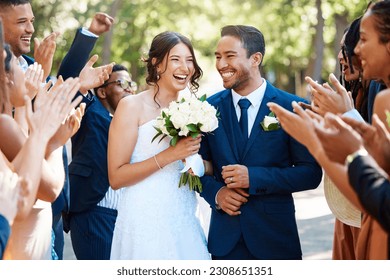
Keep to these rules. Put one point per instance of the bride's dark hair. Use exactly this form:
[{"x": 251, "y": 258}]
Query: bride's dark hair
[{"x": 160, "y": 47}]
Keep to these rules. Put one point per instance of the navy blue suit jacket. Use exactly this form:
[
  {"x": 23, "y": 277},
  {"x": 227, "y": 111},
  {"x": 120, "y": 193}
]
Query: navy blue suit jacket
[
  {"x": 71, "y": 65},
  {"x": 277, "y": 165},
  {"x": 88, "y": 170},
  {"x": 88, "y": 175}
]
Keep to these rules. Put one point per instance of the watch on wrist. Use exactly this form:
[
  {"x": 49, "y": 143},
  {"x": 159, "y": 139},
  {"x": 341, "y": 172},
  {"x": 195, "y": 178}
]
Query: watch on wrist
[{"x": 359, "y": 153}]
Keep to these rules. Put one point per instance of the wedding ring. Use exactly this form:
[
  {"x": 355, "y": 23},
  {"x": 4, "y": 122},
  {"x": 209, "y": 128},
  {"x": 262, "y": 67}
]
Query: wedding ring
[{"x": 230, "y": 179}]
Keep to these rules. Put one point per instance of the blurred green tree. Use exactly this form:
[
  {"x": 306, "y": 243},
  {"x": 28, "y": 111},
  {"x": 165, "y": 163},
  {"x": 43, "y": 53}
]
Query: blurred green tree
[{"x": 302, "y": 36}]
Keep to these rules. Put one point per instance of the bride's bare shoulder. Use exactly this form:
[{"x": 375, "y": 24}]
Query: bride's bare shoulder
[{"x": 133, "y": 104}]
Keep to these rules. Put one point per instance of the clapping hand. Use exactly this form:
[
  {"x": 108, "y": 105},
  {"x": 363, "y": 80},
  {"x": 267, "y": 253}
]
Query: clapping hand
[
  {"x": 93, "y": 77},
  {"x": 44, "y": 52},
  {"x": 67, "y": 129},
  {"x": 293, "y": 124},
  {"x": 325, "y": 99},
  {"x": 53, "y": 107},
  {"x": 33, "y": 79},
  {"x": 13, "y": 193},
  {"x": 338, "y": 139},
  {"x": 376, "y": 139}
]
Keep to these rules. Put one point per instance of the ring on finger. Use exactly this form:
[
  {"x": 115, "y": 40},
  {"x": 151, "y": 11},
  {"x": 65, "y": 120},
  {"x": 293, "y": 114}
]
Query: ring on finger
[{"x": 230, "y": 179}]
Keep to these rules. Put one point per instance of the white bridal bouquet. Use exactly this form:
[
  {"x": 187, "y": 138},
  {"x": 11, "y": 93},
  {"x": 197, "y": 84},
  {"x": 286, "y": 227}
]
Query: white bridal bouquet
[{"x": 187, "y": 117}]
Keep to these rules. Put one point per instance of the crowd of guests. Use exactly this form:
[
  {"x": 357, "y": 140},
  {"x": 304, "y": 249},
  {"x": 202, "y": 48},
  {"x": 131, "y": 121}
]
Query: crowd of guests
[
  {"x": 118, "y": 196},
  {"x": 353, "y": 152}
]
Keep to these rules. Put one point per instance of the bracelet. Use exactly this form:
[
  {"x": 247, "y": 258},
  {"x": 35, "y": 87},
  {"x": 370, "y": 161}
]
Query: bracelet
[{"x": 155, "y": 159}]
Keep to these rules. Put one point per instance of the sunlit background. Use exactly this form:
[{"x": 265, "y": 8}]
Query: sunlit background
[{"x": 302, "y": 36}]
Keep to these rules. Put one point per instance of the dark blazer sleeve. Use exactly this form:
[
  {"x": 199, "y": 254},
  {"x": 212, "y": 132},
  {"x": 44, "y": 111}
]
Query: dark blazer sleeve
[
  {"x": 71, "y": 66},
  {"x": 372, "y": 188},
  {"x": 5, "y": 231},
  {"x": 77, "y": 56}
]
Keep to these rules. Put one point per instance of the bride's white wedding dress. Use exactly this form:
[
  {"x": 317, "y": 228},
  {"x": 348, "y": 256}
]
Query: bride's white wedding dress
[{"x": 156, "y": 219}]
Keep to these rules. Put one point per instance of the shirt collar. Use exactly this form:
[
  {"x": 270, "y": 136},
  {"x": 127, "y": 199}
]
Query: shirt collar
[{"x": 255, "y": 97}]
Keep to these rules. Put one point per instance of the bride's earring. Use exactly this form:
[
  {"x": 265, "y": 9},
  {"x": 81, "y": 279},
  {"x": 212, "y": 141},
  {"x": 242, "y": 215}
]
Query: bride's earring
[{"x": 158, "y": 73}]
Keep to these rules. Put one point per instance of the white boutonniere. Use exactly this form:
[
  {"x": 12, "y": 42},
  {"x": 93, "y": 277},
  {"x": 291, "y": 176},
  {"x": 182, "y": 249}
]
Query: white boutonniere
[{"x": 270, "y": 122}]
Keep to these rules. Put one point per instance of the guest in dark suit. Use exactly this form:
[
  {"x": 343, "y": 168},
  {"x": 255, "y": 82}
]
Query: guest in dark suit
[
  {"x": 93, "y": 204},
  {"x": 256, "y": 170},
  {"x": 71, "y": 66},
  {"x": 91, "y": 225}
]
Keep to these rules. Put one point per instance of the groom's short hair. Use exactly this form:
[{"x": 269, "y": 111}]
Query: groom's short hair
[{"x": 252, "y": 39}]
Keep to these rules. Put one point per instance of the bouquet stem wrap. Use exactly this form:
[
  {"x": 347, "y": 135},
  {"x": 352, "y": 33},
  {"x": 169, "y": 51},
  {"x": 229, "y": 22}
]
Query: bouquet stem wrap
[{"x": 195, "y": 163}]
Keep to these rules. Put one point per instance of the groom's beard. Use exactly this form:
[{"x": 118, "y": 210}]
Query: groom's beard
[{"x": 240, "y": 82}]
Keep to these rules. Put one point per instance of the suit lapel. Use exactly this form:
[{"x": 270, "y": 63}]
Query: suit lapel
[
  {"x": 229, "y": 121},
  {"x": 269, "y": 95}
]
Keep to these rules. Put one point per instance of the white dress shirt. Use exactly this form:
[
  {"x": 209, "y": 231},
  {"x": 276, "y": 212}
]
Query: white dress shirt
[{"x": 255, "y": 97}]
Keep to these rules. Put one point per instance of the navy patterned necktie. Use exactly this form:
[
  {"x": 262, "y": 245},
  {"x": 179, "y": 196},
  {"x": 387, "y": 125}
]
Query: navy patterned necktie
[{"x": 244, "y": 105}]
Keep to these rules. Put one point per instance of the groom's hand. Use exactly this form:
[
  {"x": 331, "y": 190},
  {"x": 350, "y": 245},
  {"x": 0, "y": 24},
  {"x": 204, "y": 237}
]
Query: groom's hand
[
  {"x": 235, "y": 176},
  {"x": 230, "y": 200}
]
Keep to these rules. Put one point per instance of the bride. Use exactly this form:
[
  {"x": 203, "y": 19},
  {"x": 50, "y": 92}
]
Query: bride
[{"x": 156, "y": 219}]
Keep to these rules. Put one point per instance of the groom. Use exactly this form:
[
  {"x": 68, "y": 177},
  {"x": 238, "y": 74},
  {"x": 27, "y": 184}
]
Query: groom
[{"x": 256, "y": 169}]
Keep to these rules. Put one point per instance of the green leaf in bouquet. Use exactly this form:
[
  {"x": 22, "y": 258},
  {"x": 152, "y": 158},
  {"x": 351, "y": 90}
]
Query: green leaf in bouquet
[
  {"x": 192, "y": 127},
  {"x": 185, "y": 181},
  {"x": 162, "y": 138},
  {"x": 168, "y": 123},
  {"x": 194, "y": 134},
  {"x": 173, "y": 132},
  {"x": 174, "y": 140},
  {"x": 203, "y": 97},
  {"x": 181, "y": 181},
  {"x": 272, "y": 114},
  {"x": 164, "y": 115},
  {"x": 159, "y": 132},
  {"x": 199, "y": 186}
]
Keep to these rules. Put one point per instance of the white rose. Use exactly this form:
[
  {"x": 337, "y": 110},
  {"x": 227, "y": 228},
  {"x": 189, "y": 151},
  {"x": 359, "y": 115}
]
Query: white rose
[
  {"x": 195, "y": 104},
  {"x": 179, "y": 119},
  {"x": 184, "y": 108},
  {"x": 210, "y": 123},
  {"x": 173, "y": 107},
  {"x": 269, "y": 120},
  {"x": 159, "y": 123},
  {"x": 196, "y": 117},
  {"x": 184, "y": 131}
]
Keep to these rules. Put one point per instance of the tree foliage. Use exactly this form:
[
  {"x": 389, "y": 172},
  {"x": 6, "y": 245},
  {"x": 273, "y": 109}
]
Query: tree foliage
[{"x": 289, "y": 27}]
